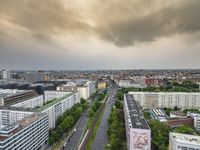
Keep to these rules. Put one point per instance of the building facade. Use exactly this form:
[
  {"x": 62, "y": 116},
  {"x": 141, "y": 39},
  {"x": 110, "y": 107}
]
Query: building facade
[
  {"x": 29, "y": 133},
  {"x": 167, "y": 99},
  {"x": 9, "y": 116}
]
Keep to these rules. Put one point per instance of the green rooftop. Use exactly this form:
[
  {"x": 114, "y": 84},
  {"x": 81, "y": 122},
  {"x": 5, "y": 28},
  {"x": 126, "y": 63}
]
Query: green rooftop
[{"x": 51, "y": 103}]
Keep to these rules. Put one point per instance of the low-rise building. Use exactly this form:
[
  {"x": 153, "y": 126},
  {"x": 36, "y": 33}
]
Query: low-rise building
[
  {"x": 179, "y": 141},
  {"x": 177, "y": 114},
  {"x": 29, "y": 133},
  {"x": 176, "y": 122},
  {"x": 101, "y": 85},
  {"x": 138, "y": 132},
  {"x": 158, "y": 114},
  {"x": 130, "y": 83}
]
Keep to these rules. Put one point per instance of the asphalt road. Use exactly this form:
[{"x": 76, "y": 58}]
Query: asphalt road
[
  {"x": 74, "y": 140},
  {"x": 101, "y": 137}
]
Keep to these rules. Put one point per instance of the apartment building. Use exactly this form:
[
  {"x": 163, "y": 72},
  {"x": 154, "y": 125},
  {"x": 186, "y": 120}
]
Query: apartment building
[
  {"x": 58, "y": 106},
  {"x": 167, "y": 99},
  {"x": 85, "y": 87},
  {"x": 30, "y": 133},
  {"x": 138, "y": 132},
  {"x": 179, "y": 141},
  {"x": 53, "y": 109}
]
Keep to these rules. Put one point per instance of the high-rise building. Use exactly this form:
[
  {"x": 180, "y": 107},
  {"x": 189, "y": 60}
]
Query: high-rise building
[
  {"x": 138, "y": 132},
  {"x": 30, "y": 133},
  {"x": 5, "y": 74}
]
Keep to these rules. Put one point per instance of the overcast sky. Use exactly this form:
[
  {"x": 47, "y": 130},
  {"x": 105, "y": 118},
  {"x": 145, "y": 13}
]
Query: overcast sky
[{"x": 99, "y": 34}]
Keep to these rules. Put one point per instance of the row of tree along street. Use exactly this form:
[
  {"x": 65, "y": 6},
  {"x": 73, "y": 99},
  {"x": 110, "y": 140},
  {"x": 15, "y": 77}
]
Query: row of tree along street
[
  {"x": 67, "y": 121},
  {"x": 185, "y": 86},
  {"x": 116, "y": 131}
]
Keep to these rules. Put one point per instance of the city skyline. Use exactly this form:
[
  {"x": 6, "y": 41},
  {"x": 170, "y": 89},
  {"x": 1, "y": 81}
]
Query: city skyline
[{"x": 79, "y": 35}]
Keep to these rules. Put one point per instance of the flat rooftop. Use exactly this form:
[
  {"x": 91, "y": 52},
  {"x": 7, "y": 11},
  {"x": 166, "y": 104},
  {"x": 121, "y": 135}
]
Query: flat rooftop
[
  {"x": 158, "y": 113},
  {"x": 185, "y": 138},
  {"x": 136, "y": 115},
  {"x": 178, "y": 113}
]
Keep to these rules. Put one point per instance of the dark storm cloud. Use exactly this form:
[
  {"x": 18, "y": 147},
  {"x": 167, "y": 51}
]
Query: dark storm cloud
[
  {"x": 126, "y": 28},
  {"x": 121, "y": 22},
  {"x": 42, "y": 18}
]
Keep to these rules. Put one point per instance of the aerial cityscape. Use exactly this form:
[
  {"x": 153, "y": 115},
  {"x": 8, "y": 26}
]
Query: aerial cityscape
[{"x": 99, "y": 75}]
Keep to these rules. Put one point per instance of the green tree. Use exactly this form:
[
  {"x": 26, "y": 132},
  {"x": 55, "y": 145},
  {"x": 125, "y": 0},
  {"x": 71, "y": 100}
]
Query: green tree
[
  {"x": 184, "y": 129},
  {"x": 90, "y": 113},
  {"x": 120, "y": 95},
  {"x": 119, "y": 104},
  {"x": 160, "y": 134}
]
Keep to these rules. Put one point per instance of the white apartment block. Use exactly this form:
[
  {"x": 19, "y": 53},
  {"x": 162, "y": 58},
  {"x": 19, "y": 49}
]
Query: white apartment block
[
  {"x": 179, "y": 141},
  {"x": 128, "y": 83},
  {"x": 85, "y": 87},
  {"x": 30, "y": 133},
  {"x": 50, "y": 95},
  {"x": 31, "y": 103},
  {"x": 54, "y": 109},
  {"x": 167, "y": 99}
]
